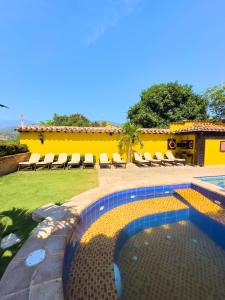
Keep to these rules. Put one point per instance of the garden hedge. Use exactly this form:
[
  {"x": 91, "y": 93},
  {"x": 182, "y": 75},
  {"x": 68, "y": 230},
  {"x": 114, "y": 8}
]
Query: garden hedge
[{"x": 12, "y": 149}]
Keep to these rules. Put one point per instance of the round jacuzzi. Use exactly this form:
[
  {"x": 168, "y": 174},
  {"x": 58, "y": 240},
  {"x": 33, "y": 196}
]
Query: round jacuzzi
[{"x": 142, "y": 243}]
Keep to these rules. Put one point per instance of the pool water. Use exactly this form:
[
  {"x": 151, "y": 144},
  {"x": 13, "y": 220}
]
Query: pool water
[
  {"x": 173, "y": 261},
  {"x": 217, "y": 180},
  {"x": 149, "y": 243}
]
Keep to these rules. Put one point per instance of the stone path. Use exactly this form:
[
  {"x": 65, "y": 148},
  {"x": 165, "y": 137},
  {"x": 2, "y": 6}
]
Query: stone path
[{"x": 112, "y": 180}]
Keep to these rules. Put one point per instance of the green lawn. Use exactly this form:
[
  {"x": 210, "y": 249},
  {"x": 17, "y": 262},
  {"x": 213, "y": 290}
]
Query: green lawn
[{"x": 22, "y": 192}]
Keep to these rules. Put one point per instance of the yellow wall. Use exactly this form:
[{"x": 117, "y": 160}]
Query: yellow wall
[
  {"x": 58, "y": 142},
  {"x": 213, "y": 156},
  {"x": 180, "y": 125},
  {"x": 186, "y": 124},
  {"x": 96, "y": 143},
  {"x": 153, "y": 143}
]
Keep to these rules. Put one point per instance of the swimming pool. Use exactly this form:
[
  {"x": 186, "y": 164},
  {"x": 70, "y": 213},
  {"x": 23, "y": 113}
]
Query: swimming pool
[
  {"x": 120, "y": 242},
  {"x": 217, "y": 180}
]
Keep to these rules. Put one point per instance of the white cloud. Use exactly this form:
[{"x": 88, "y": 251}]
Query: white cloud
[
  {"x": 117, "y": 11},
  {"x": 96, "y": 35},
  {"x": 131, "y": 5}
]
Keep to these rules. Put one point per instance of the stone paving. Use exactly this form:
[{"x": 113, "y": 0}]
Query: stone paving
[{"x": 112, "y": 180}]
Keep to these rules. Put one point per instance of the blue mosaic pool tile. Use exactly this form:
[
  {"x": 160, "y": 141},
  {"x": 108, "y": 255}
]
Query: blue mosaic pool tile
[
  {"x": 209, "y": 194},
  {"x": 212, "y": 228},
  {"x": 157, "y": 189}
]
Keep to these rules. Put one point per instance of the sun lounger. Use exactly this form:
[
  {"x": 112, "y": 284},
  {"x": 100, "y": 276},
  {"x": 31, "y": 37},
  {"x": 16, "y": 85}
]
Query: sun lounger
[
  {"x": 75, "y": 160},
  {"x": 61, "y": 162},
  {"x": 117, "y": 161},
  {"x": 104, "y": 161},
  {"x": 170, "y": 155},
  {"x": 48, "y": 160},
  {"x": 88, "y": 160},
  {"x": 34, "y": 158},
  {"x": 163, "y": 160},
  {"x": 148, "y": 157},
  {"x": 139, "y": 160}
]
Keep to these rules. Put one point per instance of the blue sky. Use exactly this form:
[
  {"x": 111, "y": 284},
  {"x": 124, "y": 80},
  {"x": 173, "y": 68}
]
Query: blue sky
[{"x": 95, "y": 56}]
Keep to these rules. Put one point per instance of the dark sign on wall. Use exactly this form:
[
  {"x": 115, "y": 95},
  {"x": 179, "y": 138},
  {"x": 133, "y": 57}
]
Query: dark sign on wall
[
  {"x": 171, "y": 144},
  {"x": 186, "y": 144}
]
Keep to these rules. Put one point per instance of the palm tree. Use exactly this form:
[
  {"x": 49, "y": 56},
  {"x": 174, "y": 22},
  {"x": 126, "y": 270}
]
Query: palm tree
[
  {"x": 131, "y": 135},
  {"x": 1, "y": 105}
]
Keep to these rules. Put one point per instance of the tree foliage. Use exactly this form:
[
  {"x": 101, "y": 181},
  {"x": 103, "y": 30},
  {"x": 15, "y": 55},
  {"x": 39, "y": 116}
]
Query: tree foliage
[
  {"x": 131, "y": 135},
  {"x": 216, "y": 98},
  {"x": 72, "y": 120},
  {"x": 168, "y": 102}
]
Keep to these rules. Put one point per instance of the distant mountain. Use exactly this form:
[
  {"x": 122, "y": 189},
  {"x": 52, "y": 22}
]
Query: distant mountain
[
  {"x": 114, "y": 123},
  {"x": 13, "y": 123}
]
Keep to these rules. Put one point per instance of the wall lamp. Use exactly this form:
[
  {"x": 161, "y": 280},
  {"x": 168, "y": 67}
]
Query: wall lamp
[{"x": 41, "y": 137}]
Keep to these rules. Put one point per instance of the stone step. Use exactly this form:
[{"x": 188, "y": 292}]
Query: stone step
[
  {"x": 56, "y": 212},
  {"x": 202, "y": 203}
]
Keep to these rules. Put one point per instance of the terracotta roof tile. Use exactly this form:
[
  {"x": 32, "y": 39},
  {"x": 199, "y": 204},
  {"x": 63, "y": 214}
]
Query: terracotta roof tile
[
  {"x": 207, "y": 127},
  {"x": 40, "y": 128},
  {"x": 157, "y": 130}
]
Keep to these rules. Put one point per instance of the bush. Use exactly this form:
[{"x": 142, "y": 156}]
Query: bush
[{"x": 12, "y": 149}]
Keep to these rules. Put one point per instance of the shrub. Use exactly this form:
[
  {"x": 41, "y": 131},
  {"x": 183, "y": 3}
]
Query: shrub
[{"x": 12, "y": 149}]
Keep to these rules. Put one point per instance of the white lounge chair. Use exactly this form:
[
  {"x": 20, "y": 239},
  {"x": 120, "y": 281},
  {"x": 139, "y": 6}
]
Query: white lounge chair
[
  {"x": 34, "y": 158},
  {"x": 170, "y": 155},
  {"x": 163, "y": 160},
  {"x": 104, "y": 160},
  {"x": 48, "y": 160},
  {"x": 61, "y": 162},
  {"x": 88, "y": 160},
  {"x": 139, "y": 160},
  {"x": 117, "y": 161},
  {"x": 75, "y": 160},
  {"x": 148, "y": 157}
]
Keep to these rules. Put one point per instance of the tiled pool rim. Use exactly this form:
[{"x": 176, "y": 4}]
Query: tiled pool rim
[
  {"x": 104, "y": 204},
  {"x": 52, "y": 284},
  {"x": 210, "y": 179}
]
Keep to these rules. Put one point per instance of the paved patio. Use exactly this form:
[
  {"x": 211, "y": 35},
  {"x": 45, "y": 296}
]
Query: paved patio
[
  {"x": 133, "y": 175},
  {"x": 115, "y": 179}
]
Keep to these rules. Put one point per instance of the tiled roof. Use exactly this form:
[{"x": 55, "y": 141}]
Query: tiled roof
[
  {"x": 207, "y": 127},
  {"x": 204, "y": 127},
  {"x": 157, "y": 130},
  {"x": 197, "y": 121},
  {"x": 39, "y": 128}
]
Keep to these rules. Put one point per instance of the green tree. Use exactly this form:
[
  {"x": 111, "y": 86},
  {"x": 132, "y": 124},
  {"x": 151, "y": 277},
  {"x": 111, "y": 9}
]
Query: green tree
[
  {"x": 168, "y": 102},
  {"x": 131, "y": 135},
  {"x": 216, "y": 98},
  {"x": 71, "y": 120}
]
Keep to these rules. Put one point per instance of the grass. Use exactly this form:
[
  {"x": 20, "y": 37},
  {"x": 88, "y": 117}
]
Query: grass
[{"x": 22, "y": 192}]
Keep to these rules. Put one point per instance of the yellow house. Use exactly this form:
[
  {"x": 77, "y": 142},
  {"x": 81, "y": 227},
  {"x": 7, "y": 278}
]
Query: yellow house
[{"x": 203, "y": 143}]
